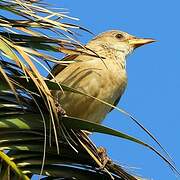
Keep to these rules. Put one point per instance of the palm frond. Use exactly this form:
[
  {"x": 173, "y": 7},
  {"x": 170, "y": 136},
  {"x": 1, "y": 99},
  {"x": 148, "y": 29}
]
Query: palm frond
[{"x": 23, "y": 134}]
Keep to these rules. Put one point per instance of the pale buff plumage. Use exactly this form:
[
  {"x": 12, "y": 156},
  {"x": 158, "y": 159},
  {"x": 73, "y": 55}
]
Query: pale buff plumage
[{"x": 104, "y": 78}]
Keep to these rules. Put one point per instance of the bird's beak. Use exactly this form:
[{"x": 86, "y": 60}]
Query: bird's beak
[{"x": 137, "y": 42}]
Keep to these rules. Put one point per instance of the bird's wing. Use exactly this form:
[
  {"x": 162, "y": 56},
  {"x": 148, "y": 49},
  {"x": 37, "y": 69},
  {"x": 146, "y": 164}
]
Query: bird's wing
[
  {"x": 61, "y": 66},
  {"x": 56, "y": 69},
  {"x": 85, "y": 77}
]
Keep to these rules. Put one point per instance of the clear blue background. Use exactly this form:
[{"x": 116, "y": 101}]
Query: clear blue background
[{"x": 153, "y": 89}]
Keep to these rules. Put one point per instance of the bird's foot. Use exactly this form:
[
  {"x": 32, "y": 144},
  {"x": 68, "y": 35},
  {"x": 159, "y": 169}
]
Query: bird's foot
[
  {"x": 103, "y": 156},
  {"x": 60, "y": 111}
]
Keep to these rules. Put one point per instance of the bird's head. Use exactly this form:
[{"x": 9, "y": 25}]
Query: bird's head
[{"x": 120, "y": 41}]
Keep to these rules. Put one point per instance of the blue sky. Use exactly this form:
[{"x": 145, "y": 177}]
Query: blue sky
[{"x": 152, "y": 95}]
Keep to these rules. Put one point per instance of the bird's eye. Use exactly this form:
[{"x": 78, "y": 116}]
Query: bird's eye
[{"x": 119, "y": 36}]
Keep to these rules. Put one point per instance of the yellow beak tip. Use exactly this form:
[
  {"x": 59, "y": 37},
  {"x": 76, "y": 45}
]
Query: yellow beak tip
[{"x": 137, "y": 42}]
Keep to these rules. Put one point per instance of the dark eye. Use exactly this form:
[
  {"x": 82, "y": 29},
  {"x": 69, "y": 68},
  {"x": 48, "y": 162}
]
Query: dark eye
[{"x": 119, "y": 36}]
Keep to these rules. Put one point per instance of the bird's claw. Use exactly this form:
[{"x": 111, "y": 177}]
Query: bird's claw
[
  {"x": 60, "y": 111},
  {"x": 103, "y": 157}
]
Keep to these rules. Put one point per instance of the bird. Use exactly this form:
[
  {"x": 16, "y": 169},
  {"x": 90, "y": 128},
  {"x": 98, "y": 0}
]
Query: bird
[{"x": 102, "y": 75}]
